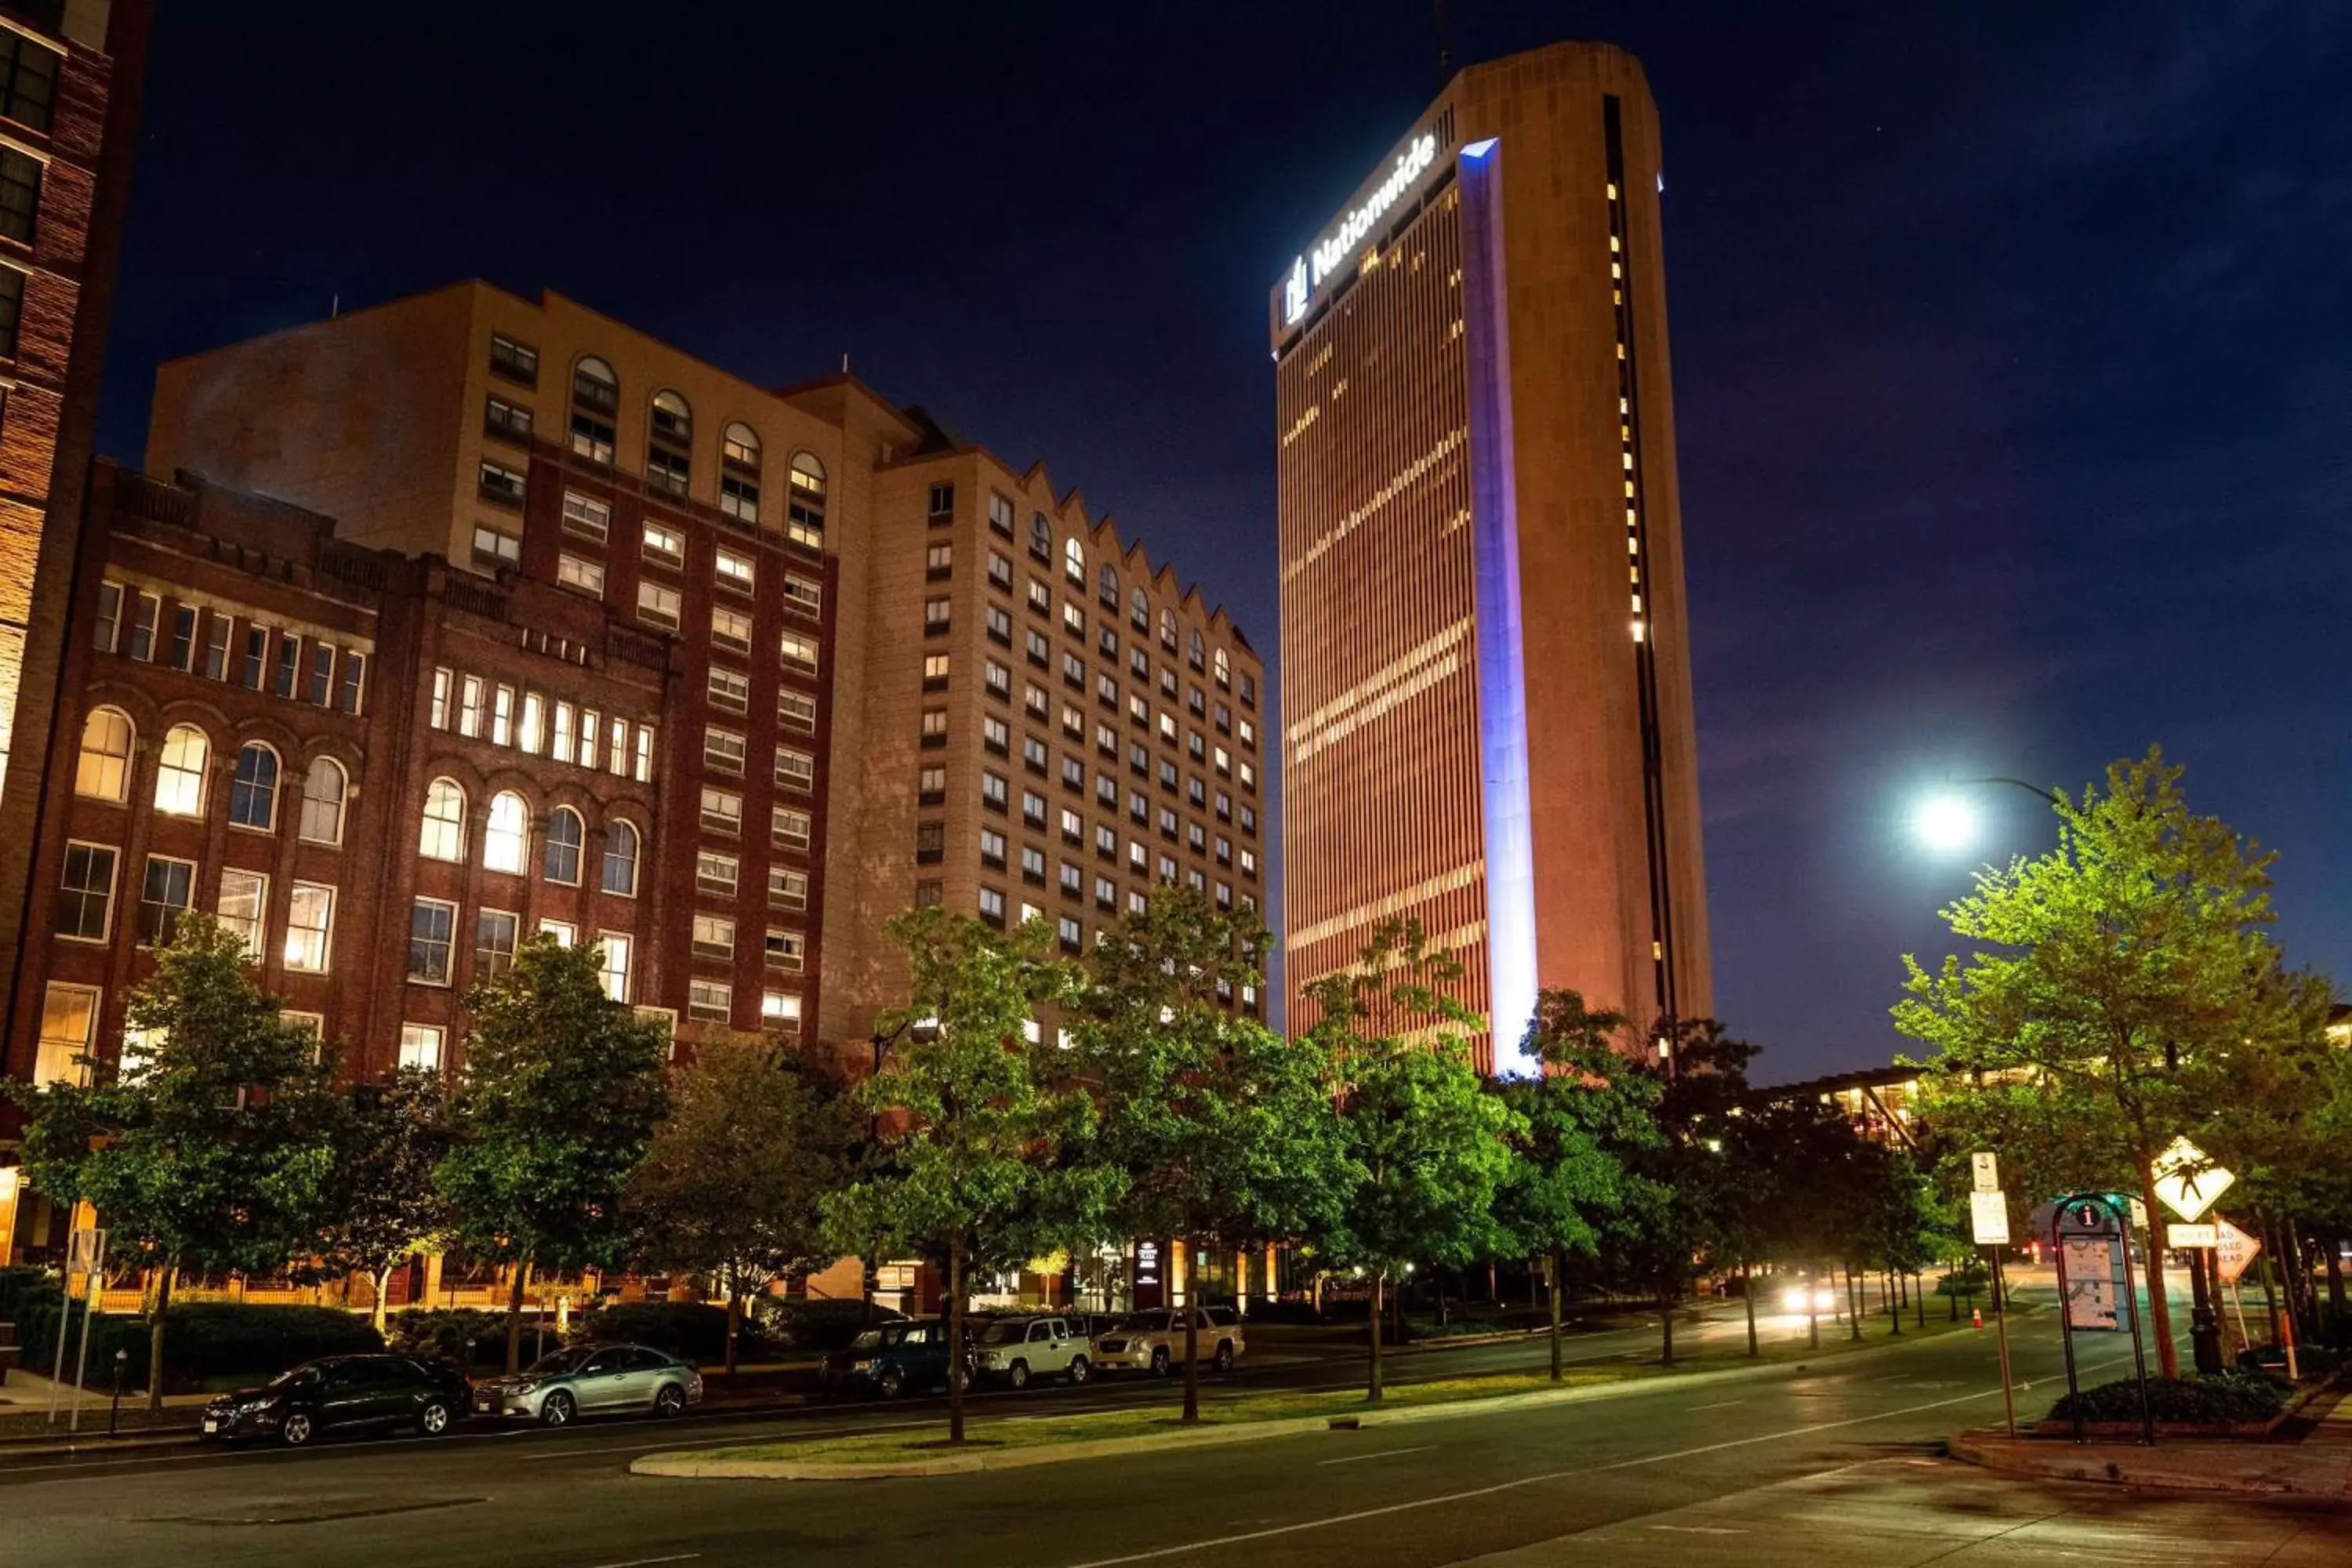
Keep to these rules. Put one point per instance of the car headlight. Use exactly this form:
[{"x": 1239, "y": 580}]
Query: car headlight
[
  {"x": 862, "y": 1365},
  {"x": 1794, "y": 1299},
  {"x": 1825, "y": 1299},
  {"x": 523, "y": 1387}
]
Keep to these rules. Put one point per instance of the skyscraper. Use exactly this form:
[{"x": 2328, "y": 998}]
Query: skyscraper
[{"x": 1485, "y": 665}]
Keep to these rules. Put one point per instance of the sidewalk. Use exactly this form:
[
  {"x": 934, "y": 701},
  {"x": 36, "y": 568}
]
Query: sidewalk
[{"x": 2310, "y": 1456}]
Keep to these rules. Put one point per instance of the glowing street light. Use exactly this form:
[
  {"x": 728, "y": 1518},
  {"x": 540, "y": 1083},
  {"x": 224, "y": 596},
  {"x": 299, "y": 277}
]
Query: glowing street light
[{"x": 1947, "y": 823}]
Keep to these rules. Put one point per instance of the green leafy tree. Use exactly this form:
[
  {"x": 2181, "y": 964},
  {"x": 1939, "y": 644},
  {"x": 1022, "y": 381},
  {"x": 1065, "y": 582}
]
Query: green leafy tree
[
  {"x": 988, "y": 1143},
  {"x": 1222, "y": 1132},
  {"x": 1587, "y": 1101},
  {"x": 212, "y": 1152},
  {"x": 2125, "y": 986},
  {"x": 1430, "y": 1148},
  {"x": 380, "y": 1201},
  {"x": 556, "y": 1100},
  {"x": 734, "y": 1185}
]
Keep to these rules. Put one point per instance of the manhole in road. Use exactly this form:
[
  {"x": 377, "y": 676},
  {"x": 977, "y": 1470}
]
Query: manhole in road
[{"x": 315, "y": 1510}]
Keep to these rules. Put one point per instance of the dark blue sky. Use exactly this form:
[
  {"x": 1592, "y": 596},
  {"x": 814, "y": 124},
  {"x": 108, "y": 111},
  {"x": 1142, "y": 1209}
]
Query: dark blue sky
[{"x": 2013, "y": 342}]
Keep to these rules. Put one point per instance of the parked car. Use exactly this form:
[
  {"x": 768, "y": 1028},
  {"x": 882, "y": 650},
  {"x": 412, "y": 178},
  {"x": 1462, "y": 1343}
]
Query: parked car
[
  {"x": 1014, "y": 1349},
  {"x": 591, "y": 1380},
  {"x": 889, "y": 1359},
  {"x": 342, "y": 1393},
  {"x": 1153, "y": 1341}
]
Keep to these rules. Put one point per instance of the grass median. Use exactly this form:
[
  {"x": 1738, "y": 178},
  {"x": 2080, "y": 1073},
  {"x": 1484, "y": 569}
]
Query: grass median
[{"x": 1224, "y": 1407}]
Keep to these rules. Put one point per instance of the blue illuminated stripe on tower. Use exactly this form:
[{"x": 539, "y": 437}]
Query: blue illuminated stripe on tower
[{"x": 1502, "y": 669}]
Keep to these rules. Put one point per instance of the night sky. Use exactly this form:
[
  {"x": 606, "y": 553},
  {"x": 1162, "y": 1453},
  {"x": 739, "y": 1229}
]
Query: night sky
[{"x": 2012, "y": 343}]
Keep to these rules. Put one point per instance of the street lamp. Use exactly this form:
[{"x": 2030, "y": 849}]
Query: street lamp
[{"x": 1947, "y": 821}]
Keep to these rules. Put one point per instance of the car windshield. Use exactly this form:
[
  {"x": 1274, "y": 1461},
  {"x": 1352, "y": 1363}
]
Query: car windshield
[
  {"x": 1143, "y": 1323},
  {"x": 1011, "y": 1331},
  {"x": 871, "y": 1340},
  {"x": 288, "y": 1379},
  {"x": 559, "y": 1361}
]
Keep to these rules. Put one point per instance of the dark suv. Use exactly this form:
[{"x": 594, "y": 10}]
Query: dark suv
[
  {"x": 890, "y": 1358},
  {"x": 342, "y": 1393}
]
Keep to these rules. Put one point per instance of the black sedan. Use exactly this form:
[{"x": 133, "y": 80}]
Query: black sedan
[{"x": 343, "y": 1393}]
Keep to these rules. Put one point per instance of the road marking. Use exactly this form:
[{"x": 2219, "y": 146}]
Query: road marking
[
  {"x": 1383, "y": 1454},
  {"x": 1720, "y": 1404},
  {"x": 1500, "y": 1486},
  {"x": 647, "y": 1562},
  {"x": 1698, "y": 1530}
]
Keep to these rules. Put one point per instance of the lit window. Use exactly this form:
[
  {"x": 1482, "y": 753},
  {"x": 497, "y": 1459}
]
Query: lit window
[
  {"x": 730, "y": 630},
  {"x": 613, "y": 966},
  {"x": 243, "y": 907},
  {"x": 779, "y": 1010},
  {"x": 534, "y": 721},
  {"x": 564, "y": 932},
  {"x": 502, "y": 707},
  {"x": 443, "y": 837},
  {"x": 658, "y": 605},
  {"x": 578, "y": 572},
  {"x": 734, "y": 570},
  {"x": 68, "y": 1027},
  {"x": 103, "y": 772},
  {"x": 739, "y": 478},
  {"x": 722, "y": 812},
  {"x": 798, "y": 652},
  {"x": 309, "y": 928},
  {"x": 663, "y": 544},
  {"x": 420, "y": 1046},
  {"x": 713, "y": 937},
  {"x": 509, "y": 829},
  {"x": 717, "y": 873},
  {"x": 803, "y": 594},
  {"x": 180, "y": 778},
  {"x": 495, "y": 547},
  {"x": 804, "y": 521}
]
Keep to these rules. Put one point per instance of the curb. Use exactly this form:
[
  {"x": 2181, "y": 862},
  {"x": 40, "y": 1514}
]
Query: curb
[{"x": 2094, "y": 1464}]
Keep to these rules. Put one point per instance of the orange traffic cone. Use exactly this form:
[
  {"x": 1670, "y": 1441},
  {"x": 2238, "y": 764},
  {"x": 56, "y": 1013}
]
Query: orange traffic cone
[{"x": 1976, "y": 1317}]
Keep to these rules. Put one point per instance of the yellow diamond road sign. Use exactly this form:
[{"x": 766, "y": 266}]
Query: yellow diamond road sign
[{"x": 2187, "y": 1183}]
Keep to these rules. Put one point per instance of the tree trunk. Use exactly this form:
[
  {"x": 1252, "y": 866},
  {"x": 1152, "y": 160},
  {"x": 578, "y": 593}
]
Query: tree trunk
[
  {"x": 1919, "y": 1298},
  {"x": 734, "y": 1315},
  {"x": 1192, "y": 1342},
  {"x": 383, "y": 1288},
  {"x": 1855, "y": 1302},
  {"x": 1894, "y": 1304},
  {"x": 514, "y": 1318},
  {"x": 2335, "y": 1291},
  {"x": 1747, "y": 1298},
  {"x": 1373, "y": 1389},
  {"x": 1558, "y": 1267},
  {"x": 154, "y": 1331},
  {"x": 2159, "y": 1310},
  {"x": 1665, "y": 1323},
  {"x": 955, "y": 1340}
]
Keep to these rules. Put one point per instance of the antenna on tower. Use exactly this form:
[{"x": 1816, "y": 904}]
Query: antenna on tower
[
  {"x": 844, "y": 365},
  {"x": 1444, "y": 54}
]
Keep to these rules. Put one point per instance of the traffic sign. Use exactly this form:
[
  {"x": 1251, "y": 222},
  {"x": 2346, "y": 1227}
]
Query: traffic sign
[
  {"x": 2177, "y": 1236},
  {"x": 2187, "y": 1182},
  {"x": 1988, "y": 1215},
  {"x": 2234, "y": 1252},
  {"x": 1986, "y": 1170}
]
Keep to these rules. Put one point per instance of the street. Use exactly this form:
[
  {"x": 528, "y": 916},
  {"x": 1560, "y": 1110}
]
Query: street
[{"x": 1834, "y": 1464}]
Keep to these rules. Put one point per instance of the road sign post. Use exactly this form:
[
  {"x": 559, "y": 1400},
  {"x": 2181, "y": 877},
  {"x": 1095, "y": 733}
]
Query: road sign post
[
  {"x": 89, "y": 1289},
  {"x": 1988, "y": 1221},
  {"x": 2091, "y": 1235}
]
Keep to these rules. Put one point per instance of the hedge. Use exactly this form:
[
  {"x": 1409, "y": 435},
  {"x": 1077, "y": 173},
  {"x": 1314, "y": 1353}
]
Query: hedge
[
  {"x": 202, "y": 1341},
  {"x": 694, "y": 1330},
  {"x": 444, "y": 1333},
  {"x": 2228, "y": 1396},
  {"x": 791, "y": 1322}
]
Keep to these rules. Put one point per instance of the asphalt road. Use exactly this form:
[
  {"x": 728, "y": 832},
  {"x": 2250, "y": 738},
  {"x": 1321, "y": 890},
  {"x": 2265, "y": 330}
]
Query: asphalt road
[{"x": 1832, "y": 1464}]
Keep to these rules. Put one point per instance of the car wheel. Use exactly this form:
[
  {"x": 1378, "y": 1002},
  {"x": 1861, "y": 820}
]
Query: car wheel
[
  {"x": 669, "y": 1401},
  {"x": 1017, "y": 1375},
  {"x": 891, "y": 1381},
  {"x": 1079, "y": 1369},
  {"x": 297, "y": 1430},
  {"x": 558, "y": 1409},
  {"x": 1224, "y": 1355},
  {"x": 1159, "y": 1361},
  {"x": 434, "y": 1420}
]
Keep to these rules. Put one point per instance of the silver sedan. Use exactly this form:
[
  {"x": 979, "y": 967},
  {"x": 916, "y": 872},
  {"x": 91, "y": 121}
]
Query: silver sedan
[{"x": 591, "y": 1380}]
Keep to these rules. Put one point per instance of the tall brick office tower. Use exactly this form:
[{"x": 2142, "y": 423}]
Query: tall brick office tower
[{"x": 1486, "y": 665}]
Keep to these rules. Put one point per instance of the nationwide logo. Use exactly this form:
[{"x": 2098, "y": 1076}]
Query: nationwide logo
[{"x": 1335, "y": 248}]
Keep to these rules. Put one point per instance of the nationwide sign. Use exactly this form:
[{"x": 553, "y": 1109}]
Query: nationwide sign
[{"x": 1417, "y": 162}]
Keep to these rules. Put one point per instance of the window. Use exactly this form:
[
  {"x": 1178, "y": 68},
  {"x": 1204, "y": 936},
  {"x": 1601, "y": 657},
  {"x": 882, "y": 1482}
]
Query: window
[
  {"x": 243, "y": 907},
  {"x": 578, "y": 572},
  {"x": 991, "y": 790},
  {"x": 1107, "y": 590},
  {"x": 645, "y": 763},
  {"x": 805, "y": 522},
  {"x": 85, "y": 893},
  {"x": 509, "y": 828},
  {"x": 795, "y": 770},
  {"x": 739, "y": 478},
  {"x": 803, "y": 595},
  {"x": 595, "y": 398},
  {"x": 504, "y": 421},
  {"x": 668, "y": 459},
  {"x": 1000, "y": 513},
  {"x": 515, "y": 361},
  {"x": 779, "y": 1010},
  {"x": 713, "y": 937},
  {"x": 935, "y": 727},
  {"x": 664, "y": 545},
  {"x": 614, "y": 968},
  {"x": 798, "y": 652},
  {"x": 420, "y": 1046},
  {"x": 991, "y": 906},
  {"x": 930, "y": 843},
  {"x": 1000, "y": 571},
  {"x": 110, "y": 617},
  {"x": 68, "y": 1013},
  {"x": 999, "y": 625},
  {"x": 253, "y": 797},
  {"x": 103, "y": 772},
  {"x": 494, "y": 547},
  {"x": 937, "y": 616},
  {"x": 495, "y": 934},
  {"x": 257, "y": 656},
  {"x": 722, "y": 812},
  {"x": 730, "y": 689},
  {"x": 1041, "y": 537},
  {"x": 1033, "y": 866},
  {"x": 723, "y": 749},
  {"x": 734, "y": 572},
  {"x": 931, "y": 787},
  {"x": 1040, "y": 652},
  {"x": 1249, "y": 690},
  {"x": 730, "y": 630},
  {"x": 1072, "y": 877},
  {"x": 714, "y": 872},
  {"x": 1033, "y": 808},
  {"x": 534, "y": 717},
  {"x": 309, "y": 928},
  {"x": 432, "y": 936},
  {"x": 11, "y": 307},
  {"x": 621, "y": 859},
  {"x": 500, "y": 485},
  {"x": 1000, "y": 680},
  {"x": 560, "y": 856},
  {"x": 180, "y": 777},
  {"x": 658, "y": 605},
  {"x": 710, "y": 999},
  {"x": 558, "y": 743},
  {"x": 939, "y": 561},
  {"x": 1041, "y": 598},
  {"x": 796, "y": 710},
  {"x": 943, "y": 508},
  {"x": 1034, "y": 753},
  {"x": 935, "y": 672},
  {"x": 564, "y": 932},
  {"x": 181, "y": 649},
  {"x": 587, "y": 516},
  {"x": 1072, "y": 936},
  {"x": 787, "y": 889},
  {"x": 1074, "y": 559}
]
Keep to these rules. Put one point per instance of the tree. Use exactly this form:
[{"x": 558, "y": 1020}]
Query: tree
[
  {"x": 380, "y": 1201},
  {"x": 1429, "y": 1149},
  {"x": 735, "y": 1181},
  {"x": 1221, "y": 1132},
  {"x": 1587, "y": 1101},
  {"x": 211, "y": 1147},
  {"x": 2127, "y": 987},
  {"x": 988, "y": 1145},
  {"x": 556, "y": 1100}
]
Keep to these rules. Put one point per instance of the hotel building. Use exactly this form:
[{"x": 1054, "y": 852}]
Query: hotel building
[{"x": 1485, "y": 658}]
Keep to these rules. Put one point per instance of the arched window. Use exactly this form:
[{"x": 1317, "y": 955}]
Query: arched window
[
  {"x": 179, "y": 780},
  {"x": 1138, "y": 610},
  {"x": 253, "y": 798},
  {"x": 621, "y": 859},
  {"x": 1074, "y": 559},
  {"x": 1225, "y": 668},
  {"x": 560, "y": 859},
  {"x": 444, "y": 837},
  {"x": 1168, "y": 630},
  {"x": 509, "y": 828},
  {"x": 595, "y": 400},
  {"x": 804, "y": 520},
  {"x": 670, "y": 445},
  {"x": 739, "y": 473},
  {"x": 1041, "y": 536},
  {"x": 1109, "y": 590},
  {"x": 1199, "y": 651},
  {"x": 323, "y": 788},
  {"x": 104, "y": 771}
]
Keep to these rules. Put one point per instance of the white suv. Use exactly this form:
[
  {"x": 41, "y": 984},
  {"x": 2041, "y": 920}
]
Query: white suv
[
  {"x": 1153, "y": 1341},
  {"x": 1015, "y": 1350}
]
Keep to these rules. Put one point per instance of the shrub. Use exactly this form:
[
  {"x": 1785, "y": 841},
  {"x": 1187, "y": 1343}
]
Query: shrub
[
  {"x": 444, "y": 1333},
  {"x": 694, "y": 1330},
  {"x": 2228, "y": 1396},
  {"x": 799, "y": 1323}
]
